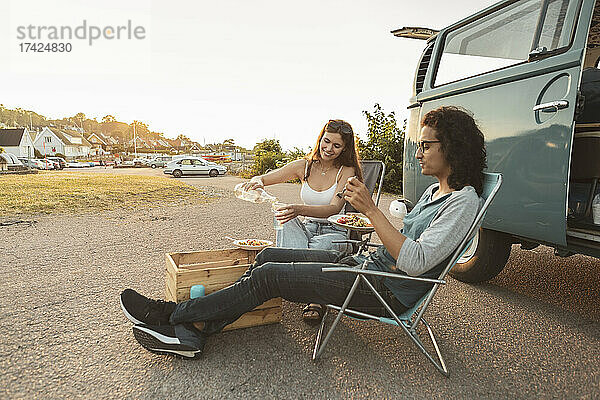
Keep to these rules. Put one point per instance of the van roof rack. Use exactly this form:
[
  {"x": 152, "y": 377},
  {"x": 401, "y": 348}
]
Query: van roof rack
[{"x": 413, "y": 32}]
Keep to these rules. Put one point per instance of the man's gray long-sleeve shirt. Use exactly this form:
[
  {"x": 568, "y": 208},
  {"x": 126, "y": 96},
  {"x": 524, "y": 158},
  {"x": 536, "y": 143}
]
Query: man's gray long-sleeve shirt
[
  {"x": 433, "y": 233},
  {"x": 434, "y": 229}
]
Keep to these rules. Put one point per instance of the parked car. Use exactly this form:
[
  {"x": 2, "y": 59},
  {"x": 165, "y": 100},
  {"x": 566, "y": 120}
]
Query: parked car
[
  {"x": 46, "y": 164},
  {"x": 61, "y": 161},
  {"x": 76, "y": 164},
  {"x": 518, "y": 67},
  {"x": 194, "y": 166},
  {"x": 12, "y": 161},
  {"x": 140, "y": 162},
  {"x": 160, "y": 161},
  {"x": 55, "y": 164},
  {"x": 29, "y": 163}
]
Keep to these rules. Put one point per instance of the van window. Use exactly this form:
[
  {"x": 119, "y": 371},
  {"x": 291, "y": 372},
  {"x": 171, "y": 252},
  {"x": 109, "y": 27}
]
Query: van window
[{"x": 505, "y": 37}]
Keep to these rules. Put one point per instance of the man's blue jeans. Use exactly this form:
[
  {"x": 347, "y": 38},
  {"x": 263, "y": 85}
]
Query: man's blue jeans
[{"x": 293, "y": 274}]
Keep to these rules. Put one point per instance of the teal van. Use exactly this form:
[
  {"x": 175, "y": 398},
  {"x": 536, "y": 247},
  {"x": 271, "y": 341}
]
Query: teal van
[{"x": 517, "y": 66}]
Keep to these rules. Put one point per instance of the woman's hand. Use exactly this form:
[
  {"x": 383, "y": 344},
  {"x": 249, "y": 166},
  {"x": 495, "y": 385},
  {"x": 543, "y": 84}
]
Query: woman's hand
[
  {"x": 288, "y": 212},
  {"x": 255, "y": 183},
  {"x": 357, "y": 194}
]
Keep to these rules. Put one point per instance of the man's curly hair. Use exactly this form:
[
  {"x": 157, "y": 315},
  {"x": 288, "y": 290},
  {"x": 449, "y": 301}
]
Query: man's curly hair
[{"x": 462, "y": 144}]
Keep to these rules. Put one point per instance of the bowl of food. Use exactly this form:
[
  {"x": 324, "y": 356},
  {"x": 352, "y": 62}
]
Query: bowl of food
[{"x": 354, "y": 222}]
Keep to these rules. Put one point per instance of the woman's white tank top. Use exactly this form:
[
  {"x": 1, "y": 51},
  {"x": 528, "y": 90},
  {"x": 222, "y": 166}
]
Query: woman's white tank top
[{"x": 313, "y": 197}]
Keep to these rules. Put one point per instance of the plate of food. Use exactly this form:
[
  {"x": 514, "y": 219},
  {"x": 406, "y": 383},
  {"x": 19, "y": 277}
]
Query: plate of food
[
  {"x": 252, "y": 244},
  {"x": 355, "y": 222}
]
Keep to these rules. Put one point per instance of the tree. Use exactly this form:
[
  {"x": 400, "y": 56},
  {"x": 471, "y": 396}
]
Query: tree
[
  {"x": 267, "y": 156},
  {"x": 385, "y": 142},
  {"x": 108, "y": 118},
  {"x": 296, "y": 154},
  {"x": 141, "y": 129},
  {"x": 268, "y": 145}
]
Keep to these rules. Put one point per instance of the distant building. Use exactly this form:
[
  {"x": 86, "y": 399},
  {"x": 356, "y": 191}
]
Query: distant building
[
  {"x": 17, "y": 142},
  {"x": 99, "y": 145},
  {"x": 70, "y": 143}
]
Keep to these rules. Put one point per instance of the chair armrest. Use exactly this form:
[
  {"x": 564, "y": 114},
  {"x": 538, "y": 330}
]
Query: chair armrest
[
  {"x": 357, "y": 242},
  {"x": 381, "y": 273}
]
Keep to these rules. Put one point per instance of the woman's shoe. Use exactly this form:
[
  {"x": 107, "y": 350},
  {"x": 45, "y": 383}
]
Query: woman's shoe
[{"x": 312, "y": 314}]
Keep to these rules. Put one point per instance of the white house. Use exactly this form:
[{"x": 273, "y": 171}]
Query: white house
[
  {"x": 99, "y": 145},
  {"x": 70, "y": 143},
  {"x": 17, "y": 142}
]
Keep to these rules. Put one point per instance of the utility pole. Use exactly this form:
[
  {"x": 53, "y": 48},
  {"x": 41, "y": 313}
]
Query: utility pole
[{"x": 134, "y": 140}]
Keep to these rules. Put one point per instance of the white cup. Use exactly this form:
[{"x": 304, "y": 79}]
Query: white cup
[
  {"x": 398, "y": 209},
  {"x": 275, "y": 206}
]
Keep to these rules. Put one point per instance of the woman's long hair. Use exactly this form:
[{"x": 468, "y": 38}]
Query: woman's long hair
[
  {"x": 348, "y": 157},
  {"x": 462, "y": 143}
]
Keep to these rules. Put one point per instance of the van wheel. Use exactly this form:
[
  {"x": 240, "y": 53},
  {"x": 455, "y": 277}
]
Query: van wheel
[
  {"x": 484, "y": 259},
  {"x": 177, "y": 173},
  {"x": 153, "y": 166},
  {"x": 213, "y": 173}
]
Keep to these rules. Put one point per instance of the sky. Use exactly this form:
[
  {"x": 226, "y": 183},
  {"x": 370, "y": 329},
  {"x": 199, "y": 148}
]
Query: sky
[{"x": 247, "y": 70}]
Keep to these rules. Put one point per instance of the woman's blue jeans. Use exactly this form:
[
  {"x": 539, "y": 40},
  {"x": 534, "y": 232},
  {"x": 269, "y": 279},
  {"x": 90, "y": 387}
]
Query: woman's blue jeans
[{"x": 293, "y": 274}]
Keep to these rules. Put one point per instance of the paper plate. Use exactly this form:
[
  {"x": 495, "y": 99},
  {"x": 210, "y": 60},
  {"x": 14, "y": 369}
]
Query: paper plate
[{"x": 334, "y": 220}]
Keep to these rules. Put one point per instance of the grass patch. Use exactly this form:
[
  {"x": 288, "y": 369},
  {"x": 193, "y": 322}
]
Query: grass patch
[{"x": 49, "y": 193}]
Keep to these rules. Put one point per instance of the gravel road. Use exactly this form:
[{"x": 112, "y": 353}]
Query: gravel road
[{"x": 534, "y": 331}]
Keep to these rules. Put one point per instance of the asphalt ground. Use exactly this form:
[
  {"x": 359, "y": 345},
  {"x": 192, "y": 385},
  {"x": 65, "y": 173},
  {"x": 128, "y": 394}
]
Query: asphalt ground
[{"x": 532, "y": 332}]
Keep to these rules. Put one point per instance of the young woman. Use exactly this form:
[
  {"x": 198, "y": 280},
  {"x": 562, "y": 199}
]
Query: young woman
[
  {"x": 450, "y": 148},
  {"x": 323, "y": 173}
]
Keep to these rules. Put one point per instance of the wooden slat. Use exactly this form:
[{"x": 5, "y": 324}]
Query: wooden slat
[
  {"x": 252, "y": 256},
  {"x": 208, "y": 289},
  {"x": 170, "y": 279},
  {"x": 210, "y": 255},
  {"x": 214, "y": 264},
  {"x": 256, "y": 317},
  {"x": 170, "y": 292},
  {"x": 210, "y": 276},
  {"x": 174, "y": 257}
]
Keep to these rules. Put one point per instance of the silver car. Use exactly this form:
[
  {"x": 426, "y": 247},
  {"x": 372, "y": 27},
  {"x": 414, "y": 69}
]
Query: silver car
[
  {"x": 194, "y": 166},
  {"x": 160, "y": 161}
]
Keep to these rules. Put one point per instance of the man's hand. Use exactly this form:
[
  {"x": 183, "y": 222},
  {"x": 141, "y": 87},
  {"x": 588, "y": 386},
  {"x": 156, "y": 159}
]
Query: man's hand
[{"x": 357, "y": 194}]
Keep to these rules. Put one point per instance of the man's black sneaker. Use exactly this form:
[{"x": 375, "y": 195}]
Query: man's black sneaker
[
  {"x": 181, "y": 340},
  {"x": 142, "y": 310}
]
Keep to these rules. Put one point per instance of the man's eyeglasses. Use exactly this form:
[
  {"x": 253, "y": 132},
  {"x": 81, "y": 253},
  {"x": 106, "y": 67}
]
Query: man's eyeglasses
[
  {"x": 338, "y": 127},
  {"x": 422, "y": 143}
]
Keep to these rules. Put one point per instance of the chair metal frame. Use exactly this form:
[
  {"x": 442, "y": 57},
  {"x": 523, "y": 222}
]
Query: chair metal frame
[
  {"x": 360, "y": 245},
  {"x": 411, "y": 318}
]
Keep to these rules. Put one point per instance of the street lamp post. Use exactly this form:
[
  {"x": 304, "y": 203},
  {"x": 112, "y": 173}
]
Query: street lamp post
[{"x": 134, "y": 140}]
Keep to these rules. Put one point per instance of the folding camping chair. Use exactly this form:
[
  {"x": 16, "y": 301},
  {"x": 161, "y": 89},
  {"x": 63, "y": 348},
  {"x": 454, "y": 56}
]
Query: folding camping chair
[
  {"x": 373, "y": 173},
  {"x": 410, "y": 319}
]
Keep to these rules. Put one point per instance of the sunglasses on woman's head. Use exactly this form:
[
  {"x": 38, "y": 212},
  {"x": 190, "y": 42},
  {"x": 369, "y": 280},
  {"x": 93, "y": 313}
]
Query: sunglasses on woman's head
[{"x": 337, "y": 126}]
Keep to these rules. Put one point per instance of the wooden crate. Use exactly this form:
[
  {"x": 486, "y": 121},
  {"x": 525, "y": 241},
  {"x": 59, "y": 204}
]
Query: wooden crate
[{"x": 216, "y": 269}]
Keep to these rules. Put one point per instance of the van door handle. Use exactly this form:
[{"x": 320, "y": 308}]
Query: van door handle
[{"x": 552, "y": 106}]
